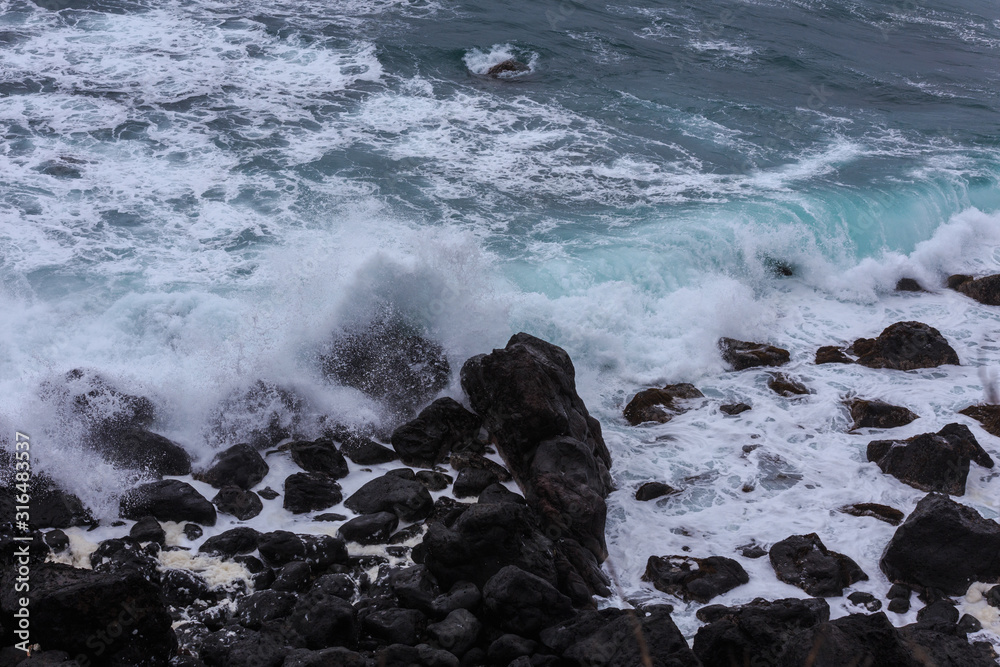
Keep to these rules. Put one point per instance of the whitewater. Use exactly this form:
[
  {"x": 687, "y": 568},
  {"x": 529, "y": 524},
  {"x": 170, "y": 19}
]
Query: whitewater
[{"x": 196, "y": 194}]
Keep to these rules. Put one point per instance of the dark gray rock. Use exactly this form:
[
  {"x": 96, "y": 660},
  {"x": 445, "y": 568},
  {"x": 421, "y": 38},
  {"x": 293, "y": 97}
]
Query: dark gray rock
[
  {"x": 434, "y": 481},
  {"x": 240, "y": 465},
  {"x": 931, "y": 461},
  {"x": 336, "y": 656},
  {"x": 523, "y": 603},
  {"x": 235, "y": 541},
  {"x": 181, "y": 588},
  {"x": 441, "y": 427},
  {"x": 698, "y": 579},
  {"x": 733, "y": 409},
  {"x": 51, "y": 507},
  {"x": 659, "y": 405},
  {"x": 258, "y": 608},
  {"x": 890, "y": 515},
  {"x": 831, "y": 354},
  {"x": 786, "y": 385},
  {"x": 457, "y": 633},
  {"x": 408, "y": 500},
  {"x": 370, "y": 528},
  {"x": 293, "y": 577},
  {"x": 654, "y": 490},
  {"x": 905, "y": 346},
  {"x": 235, "y": 501},
  {"x": 498, "y": 493},
  {"x": 878, "y": 414},
  {"x": 167, "y": 500},
  {"x": 148, "y": 529},
  {"x": 308, "y": 491},
  {"x": 985, "y": 290},
  {"x": 237, "y": 646},
  {"x": 318, "y": 456},
  {"x": 138, "y": 448},
  {"x": 472, "y": 482},
  {"x": 365, "y": 452},
  {"x": 804, "y": 561},
  {"x": 742, "y": 354},
  {"x": 395, "y": 626}
]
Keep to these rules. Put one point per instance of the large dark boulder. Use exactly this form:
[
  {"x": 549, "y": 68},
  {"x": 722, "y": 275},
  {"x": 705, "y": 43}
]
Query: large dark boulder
[
  {"x": 878, "y": 414},
  {"x": 659, "y": 405},
  {"x": 370, "y": 528},
  {"x": 985, "y": 290},
  {"x": 138, "y": 448},
  {"x": 905, "y": 346},
  {"x": 698, "y": 579},
  {"x": 858, "y": 639},
  {"x": 241, "y": 504},
  {"x": 943, "y": 545},
  {"x": 365, "y": 451},
  {"x": 260, "y": 607},
  {"x": 105, "y": 619},
  {"x": 441, "y": 427},
  {"x": 395, "y": 626},
  {"x": 318, "y": 456},
  {"x": 388, "y": 360},
  {"x": 940, "y": 646},
  {"x": 457, "y": 633},
  {"x": 51, "y": 507},
  {"x": 319, "y": 619},
  {"x": 167, "y": 500},
  {"x": 931, "y": 461},
  {"x": 804, "y": 561},
  {"x": 238, "y": 646},
  {"x": 523, "y": 603},
  {"x": 742, "y": 354},
  {"x": 233, "y": 542},
  {"x": 614, "y": 637},
  {"x": 308, "y": 491},
  {"x": 754, "y": 633},
  {"x": 407, "y": 499},
  {"x": 240, "y": 465},
  {"x": 986, "y": 414}
]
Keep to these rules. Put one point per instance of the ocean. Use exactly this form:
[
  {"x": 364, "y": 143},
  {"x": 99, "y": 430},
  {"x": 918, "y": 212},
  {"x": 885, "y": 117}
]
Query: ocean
[{"x": 195, "y": 195}]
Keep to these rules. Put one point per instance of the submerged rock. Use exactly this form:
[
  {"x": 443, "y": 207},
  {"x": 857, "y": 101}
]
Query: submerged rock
[
  {"x": 659, "y": 405},
  {"x": 698, "y": 579},
  {"x": 905, "y": 346},
  {"x": 742, "y": 354},
  {"x": 931, "y": 461},
  {"x": 507, "y": 67},
  {"x": 262, "y": 415},
  {"x": 878, "y": 414},
  {"x": 831, "y": 354},
  {"x": 733, "y": 409},
  {"x": 943, "y": 545},
  {"x": 653, "y": 490},
  {"x": 885, "y": 513},
  {"x": 985, "y": 290},
  {"x": 138, "y": 448},
  {"x": 804, "y": 561},
  {"x": 787, "y": 386}
]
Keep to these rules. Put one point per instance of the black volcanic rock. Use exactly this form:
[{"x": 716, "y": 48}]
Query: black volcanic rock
[
  {"x": 878, "y": 414},
  {"x": 407, "y": 499},
  {"x": 318, "y": 456},
  {"x": 240, "y": 503},
  {"x": 366, "y": 452},
  {"x": 134, "y": 447},
  {"x": 167, "y": 500},
  {"x": 308, "y": 491},
  {"x": 987, "y": 415},
  {"x": 698, "y": 579},
  {"x": 905, "y": 346},
  {"x": 931, "y": 461},
  {"x": 240, "y": 465},
  {"x": 786, "y": 385},
  {"x": 659, "y": 405},
  {"x": 804, "y": 561},
  {"x": 985, "y": 290},
  {"x": 51, "y": 507},
  {"x": 523, "y": 603},
  {"x": 441, "y": 427},
  {"x": 943, "y": 545},
  {"x": 653, "y": 490},
  {"x": 235, "y": 541},
  {"x": 831, "y": 354},
  {"x": 742, "y": 354},
  {"x": 370, "y": 528}
]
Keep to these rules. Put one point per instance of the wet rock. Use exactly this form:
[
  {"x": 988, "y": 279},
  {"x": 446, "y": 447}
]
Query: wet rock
[
  {"x": 866, "y": 600},
  {"x": 148, "y": 529},
  {"x": 804, "y": 561},
  {"x": 71, "y": 609},
  {"x": 262, "y": 416},
  {"x": 395, "y": 626},
  {"x": 388, "y": 360},
  {"x": 408, "y": 500},
  {"x": 181, "y": 588},
  {"x": 240, "y": 465},
  {"x": 784, "y": 385},
  {"x": 366, "y": 452},
  {"x": 858, "y": 639},
  {"x": 370, "y": 528},
  {"x": 308, "y": 491},
  {"x": 441, "y": 427},
  {"x": 754, "y": 633},
  {"x": 260, "y": 607},
  {"x": 319, "y": 619},
  {"x": 462, "y": 460},
  {"x": 236, "y": 646},
  {"x": 899, "y": 605},
  {"x": 507, "y": 648},
  {"x": 267, "y": 493},
  {"x": 931, "y": 461},
  {"x": 742, "y": 354},
  {"x": 752, "y": 550},
  {"x": 280, "y": 547},
  {"x": 102, "y": 405},
  {"x": 698, "y": 579},
  {"x": 319, "y": 456},
  {"x": 523, "y": 603},
  {"x": 946, "y": 648},
  {"x": 167, "y": 500},
  {"x": 329, "y": 516},
  {"x": 433, "y": 481},
  {"x": 508, "y": 67},
  {"x": 968, "y": 624},
  {"x": 993, "y": 597},
  {"x": 878, "y": 414},
  {"x": 415, "y": 587},
  {"x": 905, "y": 346},
  {"x": 890, "y": 515},
  {"x": 337, "y": 656},
  {"x": 987, "y": 415},
  {"x": 831, "y": 354},
  {"x": 240, "y": 540},
  {"x": 193, "y": 531},
  {"x": 943, "y": 545},
  {"x": 985, "y": 290},
  {"x": 235, "y": 501},
  {"x": 293, "y": 577},
  {"x": 733, "y": 409},
  {"x": 659, "y": 405},
  {"x": 498, "y": 493},
  {"x": 125, "y": 555},
  {"x": 57, "y": 541},
  {"x": 144, "y": 450},
  {"x": 908, "y": 285},
  {"x": 51, "y": 507},
  {"x": 463, "y": 595},
  {"x": 472, "y": 482},
  {"x": 654, "y": 490}
]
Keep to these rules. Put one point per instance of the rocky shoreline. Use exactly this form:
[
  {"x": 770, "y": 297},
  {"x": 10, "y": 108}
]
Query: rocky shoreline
[{"x": 444, "y": 563}]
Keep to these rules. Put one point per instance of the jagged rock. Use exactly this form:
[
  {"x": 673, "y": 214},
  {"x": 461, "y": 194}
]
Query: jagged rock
[
  {"x": 733, "y": 409},
  {"x": 908, "y": 285},
  {"x": 754, "y": 633},
  {"x": 507, "y": 67},
  {"x": 472, "y": 482},
  {"x": 523, "y": 603},
  {"x": 167, "y": 500},
  {"x": 319, "y": 619},
  {"x": 804, "y": 561},
  {"x": 659, "y": 405},
  {"x": 388, "y": 360},
  {"x": 267, "y": 493},
  {"x": 858, "y": 639},
  {"x": 308, "y": 491},
  {"x": 698, "y": 579},
  {"x": 784, "y": 385},
  {"x": 878, "y": 414},
  {"x": 987, "y": 415},
  {"x": 280, "y": 547},
  {"x": 121, "y": 556},
  {"x": 653, "y": 490},
  {"x": 462, "y": 460},
  {"x": 985, "y": 290},
  {"x": 370, "y": 528},
  {"x": 408, "y": 500},
  {"x": 441, "y": 427},
  {"x": 931, "y": 462},
  {"x": 80, "y": 611},
  {"x": 742, "y": 354},
  {"x": 366, "y": 452},
  {"x": 148, "y": 529},
  {"x": 235, "y": 501},
  {"x": 943, "y": 545},
  {"x": 948, "y": 648},
  {"x": 240, "y": 465},
  {"x": 240, "y": 540},
  {"x": 318, "y": 456},
  {"x": 831, "y": 354},
  {"x": 752, "y": 550},
  {"x": 905, "y": 346},
  {"x": 885, "y": 513}
]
